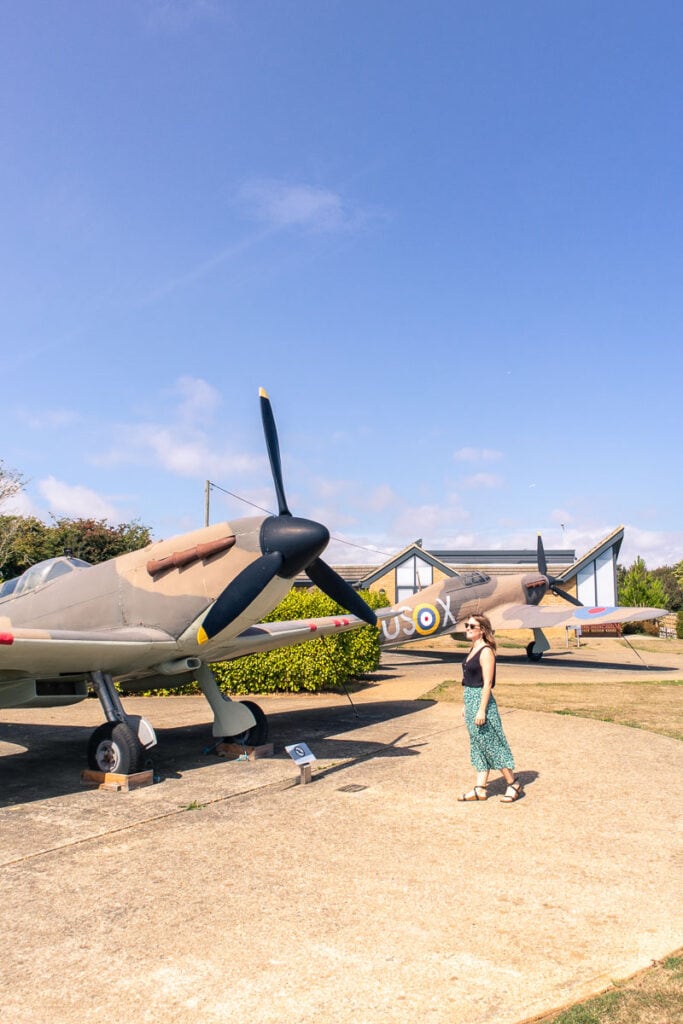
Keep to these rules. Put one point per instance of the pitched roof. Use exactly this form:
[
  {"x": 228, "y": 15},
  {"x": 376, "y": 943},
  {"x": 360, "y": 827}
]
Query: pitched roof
[
  {"x": 372, "y": 574},
  {"x": 612, "y": 540}
]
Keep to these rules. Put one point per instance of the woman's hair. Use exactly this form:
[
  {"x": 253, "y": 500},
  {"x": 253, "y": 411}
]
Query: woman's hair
[{"x": 486, "y": 630}]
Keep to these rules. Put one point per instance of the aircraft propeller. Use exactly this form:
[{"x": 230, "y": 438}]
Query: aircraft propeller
[
  {"x": 289, "y": 545},
  {"x": 552, "y": 582}
]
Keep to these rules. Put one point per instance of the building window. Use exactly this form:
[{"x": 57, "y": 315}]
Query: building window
[
  {"x": 595, "y": 583},
  {"x": 412, "y": 576}
]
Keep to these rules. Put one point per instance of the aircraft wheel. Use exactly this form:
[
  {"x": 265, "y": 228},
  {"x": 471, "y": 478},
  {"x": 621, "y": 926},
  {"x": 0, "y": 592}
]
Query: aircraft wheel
[
  {"x": 258, "y": 734},
  {"x": 531, "y": 654},
  {"x": 114, "y": 747}
]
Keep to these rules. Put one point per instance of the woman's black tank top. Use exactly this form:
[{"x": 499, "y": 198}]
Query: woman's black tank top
[{"x": 471, "y": 670}]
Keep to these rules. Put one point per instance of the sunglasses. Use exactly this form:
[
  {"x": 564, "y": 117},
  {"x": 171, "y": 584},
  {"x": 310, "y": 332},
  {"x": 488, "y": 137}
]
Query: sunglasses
[{"x": 472, "y": 625}]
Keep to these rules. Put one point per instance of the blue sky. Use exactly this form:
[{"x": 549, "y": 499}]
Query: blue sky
[{"x": 444, "y": 236}]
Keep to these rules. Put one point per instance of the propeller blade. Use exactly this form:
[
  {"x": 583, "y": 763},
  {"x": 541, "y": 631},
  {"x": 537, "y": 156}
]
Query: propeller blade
[
  {"x": 239, "y": 594},
  {"x": 540, "y": 557},
  {"x": 332, "y": 584},
  {"x": 273, "y": 446},
  {"x": 563, "y": 593},
  {"x": 552, "y": 582}
]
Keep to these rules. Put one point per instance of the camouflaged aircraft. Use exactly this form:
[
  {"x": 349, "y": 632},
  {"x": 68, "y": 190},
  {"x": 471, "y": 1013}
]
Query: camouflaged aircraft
[
  {"x": 159, "y": 616},
  {"x": 510, "y": 602}
]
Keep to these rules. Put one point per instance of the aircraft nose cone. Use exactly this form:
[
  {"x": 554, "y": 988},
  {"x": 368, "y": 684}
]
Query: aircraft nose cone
[{"x": 299, "y": 541}]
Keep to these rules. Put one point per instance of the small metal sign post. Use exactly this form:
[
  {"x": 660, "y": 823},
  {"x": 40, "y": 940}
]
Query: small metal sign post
[{"x": 302, "y": 755}]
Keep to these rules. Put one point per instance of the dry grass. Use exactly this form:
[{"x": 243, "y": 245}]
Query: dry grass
[
  {"x": 653, "y": 996},
  {"x": 656, "y": 705}
]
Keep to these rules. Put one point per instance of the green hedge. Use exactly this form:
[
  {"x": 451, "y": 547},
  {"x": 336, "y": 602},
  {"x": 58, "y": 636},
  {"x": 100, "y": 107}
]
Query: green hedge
[{"x": 322, "y": 664}]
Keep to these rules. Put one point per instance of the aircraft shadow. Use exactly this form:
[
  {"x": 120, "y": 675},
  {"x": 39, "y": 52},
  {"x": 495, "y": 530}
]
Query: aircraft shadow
[
  {"x": 51, "y": 757},
  {"x": 557, "y": 659}
]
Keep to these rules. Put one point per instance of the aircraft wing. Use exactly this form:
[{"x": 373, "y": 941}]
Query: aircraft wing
[
  {"x": 55, "y": 652},
  {"x": 269, "y": 636},
  {"x": 527, "y": 616}
]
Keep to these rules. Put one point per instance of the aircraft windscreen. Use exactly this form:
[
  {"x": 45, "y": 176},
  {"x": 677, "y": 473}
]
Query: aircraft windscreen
[
  {"x": 460, "y": 580},
  {"x": 41, "y": 572}
]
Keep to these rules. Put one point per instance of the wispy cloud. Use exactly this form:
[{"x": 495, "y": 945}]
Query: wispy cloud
[
  {"x": 477, "y": 455},
  {"x": 184, "y": 452},
  {"x": 187, "y": 447},
  {"x": 179, "y": 15},
  {"x": 488, "y": 480},
  {"x": 280, "y": 205},
  {"x": 48, "y": 419}
]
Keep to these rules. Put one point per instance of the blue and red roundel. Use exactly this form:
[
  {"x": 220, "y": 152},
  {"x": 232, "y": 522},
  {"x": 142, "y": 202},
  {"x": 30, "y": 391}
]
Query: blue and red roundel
[
  {"x": 426, "y": 619},
  {"x": 592, "y": 613}
]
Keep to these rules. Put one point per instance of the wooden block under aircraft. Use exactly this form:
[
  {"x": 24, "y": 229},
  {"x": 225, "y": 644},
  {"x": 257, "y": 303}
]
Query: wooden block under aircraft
[{"x": 115, "y": 782}]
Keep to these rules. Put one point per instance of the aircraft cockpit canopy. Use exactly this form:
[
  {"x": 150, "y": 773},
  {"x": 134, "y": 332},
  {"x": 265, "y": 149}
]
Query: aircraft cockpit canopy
[{"x": 41, "y": 572}]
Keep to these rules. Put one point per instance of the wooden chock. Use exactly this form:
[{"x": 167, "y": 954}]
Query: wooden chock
[{"x": 115, "y": 782}]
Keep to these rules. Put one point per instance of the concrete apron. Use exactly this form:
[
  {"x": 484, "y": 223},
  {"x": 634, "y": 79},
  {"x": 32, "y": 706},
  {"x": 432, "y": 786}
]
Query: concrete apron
[{"x": 369, "y": 895}]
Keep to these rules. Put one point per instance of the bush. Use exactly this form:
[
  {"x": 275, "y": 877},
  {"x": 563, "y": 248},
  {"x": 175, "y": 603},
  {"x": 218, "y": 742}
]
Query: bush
[
  {"x": 679, "y": 625},
  {"x": 314, "y": 665},
  {"x": 322, "y": 664}
]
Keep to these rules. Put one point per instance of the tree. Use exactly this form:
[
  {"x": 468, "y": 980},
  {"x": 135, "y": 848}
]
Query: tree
[
  {"x": 29, "y": 540},
  {"x": 672, "y": 585},
  {"x": 11, "y": 483},
  {"x": 639, "y": 588}
]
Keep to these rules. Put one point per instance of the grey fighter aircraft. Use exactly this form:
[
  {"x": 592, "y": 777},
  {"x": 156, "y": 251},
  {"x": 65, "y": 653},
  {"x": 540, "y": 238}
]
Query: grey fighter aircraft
[{"x": 160, "y": 616}]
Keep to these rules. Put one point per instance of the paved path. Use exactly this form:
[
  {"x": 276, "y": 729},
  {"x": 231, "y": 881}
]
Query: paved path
[{"x": 370, "y": 895}]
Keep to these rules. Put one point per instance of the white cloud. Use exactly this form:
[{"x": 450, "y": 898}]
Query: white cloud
[
  {"x": 306, "y": 206},
  {"x": 197, "y": 399},
  {"x": 188, "y": 453},
  {"x": 561, "y": 516},
  {"x": 382, "y": 498},
  {"x": 75, "y": 501},
  {"x": 477, "y": 455},
  {"x": 184, "y": 448},
  {"x": 20, "y": 504},
  {"x": 655, "y": 547},
  {"x": 427, "y": 521}
]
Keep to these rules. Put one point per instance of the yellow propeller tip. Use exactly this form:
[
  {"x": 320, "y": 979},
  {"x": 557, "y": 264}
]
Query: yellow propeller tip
[
  {"x": 202, "y": 637},
  {"x": 263, "y": 393}
]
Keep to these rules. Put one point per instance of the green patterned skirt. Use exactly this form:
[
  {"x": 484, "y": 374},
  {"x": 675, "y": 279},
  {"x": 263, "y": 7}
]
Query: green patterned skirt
[{"x": 488, "y": 746}]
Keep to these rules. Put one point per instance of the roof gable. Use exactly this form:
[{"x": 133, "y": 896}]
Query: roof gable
[
  {"x": 411, "y": 550},
  {"x": 612, "y": 540}
]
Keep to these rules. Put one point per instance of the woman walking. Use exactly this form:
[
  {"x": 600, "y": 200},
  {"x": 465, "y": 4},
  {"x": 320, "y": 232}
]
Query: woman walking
[{"x": 489, "y": 748}]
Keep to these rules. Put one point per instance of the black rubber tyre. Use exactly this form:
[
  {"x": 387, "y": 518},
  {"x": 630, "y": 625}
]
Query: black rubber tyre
[
  {"x": 114, "y": 747},
  {"x": 258, "y": 734},
  {"x": 531, "y": 654}
]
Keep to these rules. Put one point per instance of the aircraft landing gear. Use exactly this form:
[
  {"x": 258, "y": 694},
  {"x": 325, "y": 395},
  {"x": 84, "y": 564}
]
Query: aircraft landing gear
[
  {"x": 531, "y": 654},
  {"x": 119, "y": 745},
  {"x": 538, "y": 645},
  {"x": 258, "y": 734},
  {"x": 114, "y": 747}
]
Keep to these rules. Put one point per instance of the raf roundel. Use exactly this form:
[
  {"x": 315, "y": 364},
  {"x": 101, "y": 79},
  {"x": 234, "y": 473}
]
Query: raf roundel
[{"x": 426, "y": 619}]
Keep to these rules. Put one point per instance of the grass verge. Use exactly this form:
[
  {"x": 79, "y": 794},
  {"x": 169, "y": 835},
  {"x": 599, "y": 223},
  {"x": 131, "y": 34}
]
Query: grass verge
[
  {"x": 653, "y": 996},
  {"x": 655, "y": 705}
]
